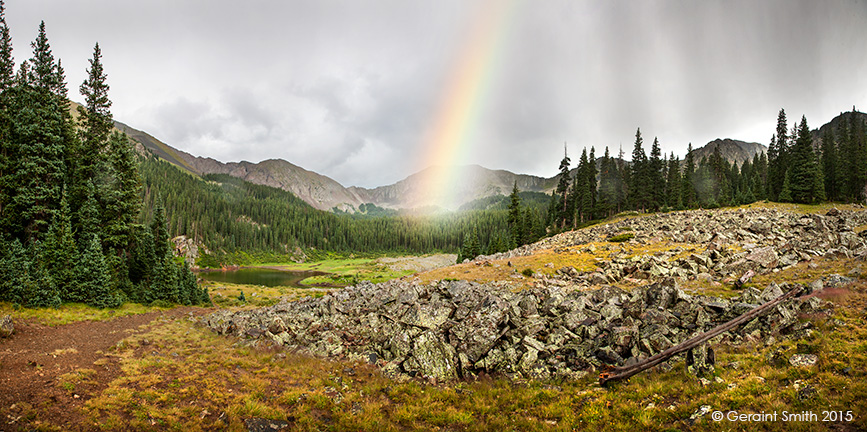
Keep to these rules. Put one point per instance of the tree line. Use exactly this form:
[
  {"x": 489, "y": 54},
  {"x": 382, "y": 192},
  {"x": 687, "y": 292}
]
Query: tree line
[
  {"x": 796, "y": 169},
  {"x": 70, "y": 195}
]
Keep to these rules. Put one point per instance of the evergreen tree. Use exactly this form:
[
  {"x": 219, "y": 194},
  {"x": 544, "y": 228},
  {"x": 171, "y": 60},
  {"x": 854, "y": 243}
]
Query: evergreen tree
[
  {"x": 93, "y": 277},
  {"x": 656, "y": 176},
  {"x": 143, "y": 259},
  {"x": 778, "y": 157},
  {"x": 164, "y": 285},
  {"x": 39, "y": 288},
  {"x": 160, "y": 231},
  {"x": 35, "y": 161},
  {"x": 123, "y": 200},
  {"x": 60, "y": 253},
  {"x": 562, "y": 209},
  {"x": 7, "y": 63},
  {"x": 829, "y": 166},
  {"x": 592, "y": 185},
  {"x": 688, "y": 183},
  {"x": 96, "y": 123},
  {"x": 674, "y": 198},
  {"x": 88, "y": 216},
  {"x": 43, "y": 67},
  {"x": 805, "y": 181},
  {"x": 14, "y": 273},
  {"x": 639, "y": 188},
  {"x": 515, "y": 213}
]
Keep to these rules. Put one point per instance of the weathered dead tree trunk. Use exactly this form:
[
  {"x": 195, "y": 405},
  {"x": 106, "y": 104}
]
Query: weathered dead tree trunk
[{"x": 619, "y": 373}]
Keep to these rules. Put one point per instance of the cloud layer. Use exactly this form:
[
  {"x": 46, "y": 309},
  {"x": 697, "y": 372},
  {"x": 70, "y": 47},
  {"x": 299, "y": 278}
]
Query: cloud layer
[{"x": 348, "y": 89}]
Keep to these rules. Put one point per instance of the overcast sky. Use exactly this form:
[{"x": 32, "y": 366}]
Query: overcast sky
[{"x": 350, "y": 89}]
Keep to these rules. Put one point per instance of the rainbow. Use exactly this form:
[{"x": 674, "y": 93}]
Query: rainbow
[{"x": 451, "y": 131}]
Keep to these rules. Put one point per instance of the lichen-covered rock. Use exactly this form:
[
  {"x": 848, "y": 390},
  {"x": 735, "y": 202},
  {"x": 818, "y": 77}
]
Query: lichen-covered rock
[
  {"x": 6, "y": 326},
  {"x": 450, "y": 329}
]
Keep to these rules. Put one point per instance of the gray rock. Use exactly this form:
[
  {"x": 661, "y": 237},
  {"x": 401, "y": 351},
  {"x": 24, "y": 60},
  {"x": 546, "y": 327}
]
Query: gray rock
[
  {"x": 803, "y": 360},
  {"x": 435, "y": 358},
  {"x": 6, "y": 326},
  {"x": 765, "y": 257}
]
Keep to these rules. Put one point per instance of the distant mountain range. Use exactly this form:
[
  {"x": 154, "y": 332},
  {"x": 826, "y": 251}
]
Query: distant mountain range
[{"x": 325, "y": 193}]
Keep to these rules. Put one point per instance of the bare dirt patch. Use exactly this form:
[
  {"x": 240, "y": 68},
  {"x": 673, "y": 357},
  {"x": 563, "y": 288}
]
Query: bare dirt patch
[
  {"x": 50, "y": 372},
  {"x": 418, "y": 263}
]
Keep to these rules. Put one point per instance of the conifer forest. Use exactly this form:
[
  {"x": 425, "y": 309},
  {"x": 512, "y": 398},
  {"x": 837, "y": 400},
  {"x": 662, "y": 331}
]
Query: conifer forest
[{"x": 86, "y": 217}]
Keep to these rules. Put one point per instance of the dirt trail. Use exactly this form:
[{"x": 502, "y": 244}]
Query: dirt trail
[{"x": 34, "y": 358}]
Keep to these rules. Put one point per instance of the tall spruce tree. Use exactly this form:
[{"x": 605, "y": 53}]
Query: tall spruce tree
[
  {"x": 60, "y": 252},
  {"x": 656, "y": 176},
  {"x": 122, "y": 195},
  {"x": 805, "y": 180},
  {"x": 515, "y": 226},
  {"x": 639, "y": 188},
  {"x": 674, "y": 197},
  {"x": 688, "y": 182},
  {"x": 562, "y": 209},
  {"x": 778, "y": 157},
  {"x": 43, "y": 67},
  {"x": 7, "y": 63},
  {"x": 830, "y": 166},
  {"x": 35, "y": 154},
  {"x": 95, "y": 126},
  {"x": 39, "y": 288}
]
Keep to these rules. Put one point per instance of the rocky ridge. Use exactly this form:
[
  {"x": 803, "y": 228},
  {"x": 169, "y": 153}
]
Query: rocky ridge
[
  {"x": 719, "y": 245},
  {"x": 574, "y": 322}
]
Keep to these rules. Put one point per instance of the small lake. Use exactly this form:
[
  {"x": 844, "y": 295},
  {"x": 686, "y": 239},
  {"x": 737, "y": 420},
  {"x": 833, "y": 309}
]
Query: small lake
[{"x": 259, "y": 276}]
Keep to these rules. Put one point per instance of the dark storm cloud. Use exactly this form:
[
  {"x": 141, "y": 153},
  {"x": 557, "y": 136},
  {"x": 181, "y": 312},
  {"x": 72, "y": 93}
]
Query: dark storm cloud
[{"x": 348, "y": 89}]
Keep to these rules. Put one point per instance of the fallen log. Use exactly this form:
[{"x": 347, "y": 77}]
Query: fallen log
[{"x": 623, "y": 372}]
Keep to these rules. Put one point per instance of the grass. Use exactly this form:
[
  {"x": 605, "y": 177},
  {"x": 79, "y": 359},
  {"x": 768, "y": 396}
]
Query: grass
[
  {"x": 72, "y": 312},
  {"x": 343, "y": 271},
  {"x": 226, "y": 295},
  {"x": 200, "y": 381}
]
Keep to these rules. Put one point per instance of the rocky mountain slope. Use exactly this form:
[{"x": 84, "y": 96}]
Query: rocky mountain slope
[
  {"x": 325, "y": 193},
  {"x": 731, "y": 150}
]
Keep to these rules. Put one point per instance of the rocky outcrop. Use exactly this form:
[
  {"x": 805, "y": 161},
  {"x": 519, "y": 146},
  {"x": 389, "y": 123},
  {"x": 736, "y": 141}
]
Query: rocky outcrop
[
  {"x": 711, "y": 244},
  {"x": 188, "y": 248},
  {"x": 451, "y": 329}
]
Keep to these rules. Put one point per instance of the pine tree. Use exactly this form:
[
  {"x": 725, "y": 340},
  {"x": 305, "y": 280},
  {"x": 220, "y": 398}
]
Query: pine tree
[
  {"x": 515, "y": 213},
  {"x": 39, "y": 288},
  {"x": 804, "y": 176},
  {"x": 35, "y": 167},
  {"x": 562, "y": 209},
  {"x": 7, "y": 63},
  {"x": 60, "y": 252},
  {"x": 164, "y": 285},
  {"x": 688, "y": 183},
  {"x": 639, "y": 188},
  {"x": 96, "y": 123},
  {"x": 88, "y": 216},
  {"x": 143, "y": 258},
  {"x": 674, "y": 198},
  {"x": 656, "y": 175},
  {"x": 44, "y": 69},
  {"x": 778, "y": 157},
  {"x": 122, "y": 195},
  {"x": 160, "y": 231},
  {"x": 14, "y": 273},
  {"x": 829, "y": 166}
]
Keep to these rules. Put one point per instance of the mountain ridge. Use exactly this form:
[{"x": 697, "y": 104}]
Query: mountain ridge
[{"x": 325, "y": 193}]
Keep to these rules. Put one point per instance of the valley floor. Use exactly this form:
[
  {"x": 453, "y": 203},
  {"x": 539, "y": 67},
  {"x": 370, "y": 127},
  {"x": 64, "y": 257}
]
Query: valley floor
[{"x": 162, "y": 370}]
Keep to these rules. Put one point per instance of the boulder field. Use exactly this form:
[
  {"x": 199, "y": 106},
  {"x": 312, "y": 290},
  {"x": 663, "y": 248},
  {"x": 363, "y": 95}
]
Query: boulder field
[{"x": 575, "y": 322}]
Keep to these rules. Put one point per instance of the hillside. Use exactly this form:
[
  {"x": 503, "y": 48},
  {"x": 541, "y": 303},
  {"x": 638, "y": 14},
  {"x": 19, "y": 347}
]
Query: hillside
[{"x": 731, "y": 150}]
